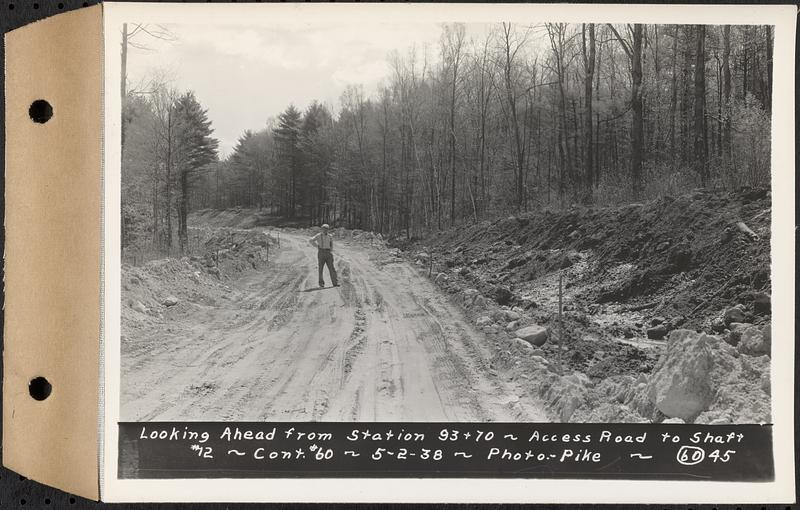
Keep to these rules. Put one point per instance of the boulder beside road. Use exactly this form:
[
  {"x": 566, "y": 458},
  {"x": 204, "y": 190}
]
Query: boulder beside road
[
  {"x": 502, "y": 295},
  {"x": 533, "y": 334},
  {"x": 680, "y": 385},
  {"x": 755, "y": 342},
  {"x": 471, "y": 297},
  {"x": 734, "y": 314},
  {"x": 522, "y": 344},
  {"x": 734, "y": 336},
  {"x": 657, "y": 332}
]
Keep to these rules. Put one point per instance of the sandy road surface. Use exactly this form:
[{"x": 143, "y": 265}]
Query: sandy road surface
[{"x": 385, "y": 345}]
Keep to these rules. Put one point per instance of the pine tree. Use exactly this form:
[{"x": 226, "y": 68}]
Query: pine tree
[
  {"x": 287, "y": 141},
  {"x": 315, "y": 160},
  {"x": 250, "y": 163},
  {"x": 196, "y": 150}
]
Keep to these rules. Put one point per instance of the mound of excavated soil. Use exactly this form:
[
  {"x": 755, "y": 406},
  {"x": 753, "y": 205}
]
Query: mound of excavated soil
[
  {"x": 169, "y": 286},
  {"x": 628, "y": 276},
  {"x": 698, "y": 379},
  {"x": 680, "y": 258}
]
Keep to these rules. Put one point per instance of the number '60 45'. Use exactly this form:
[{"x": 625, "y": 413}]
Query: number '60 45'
[{"x": 691, "y": 455}]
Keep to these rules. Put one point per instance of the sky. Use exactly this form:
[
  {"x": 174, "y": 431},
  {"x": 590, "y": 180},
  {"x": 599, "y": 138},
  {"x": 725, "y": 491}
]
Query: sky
[{"x": 245, "y": 75}]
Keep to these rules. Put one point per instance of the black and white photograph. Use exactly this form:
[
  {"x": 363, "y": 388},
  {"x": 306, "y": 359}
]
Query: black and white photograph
[
  {"x": 401, "y": 253},
  {"x": 478, "y": 222},
  {"x": 378, "y": 245}
]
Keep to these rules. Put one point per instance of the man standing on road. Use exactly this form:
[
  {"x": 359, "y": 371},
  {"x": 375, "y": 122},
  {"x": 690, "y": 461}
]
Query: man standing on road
[{"x": 323, "y": 241}]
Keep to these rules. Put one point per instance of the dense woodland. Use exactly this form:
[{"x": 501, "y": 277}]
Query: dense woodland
[{"x": 527, "y": 117}]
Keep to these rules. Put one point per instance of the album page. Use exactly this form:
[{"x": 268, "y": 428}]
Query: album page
[{"x": 462, "y": 253}]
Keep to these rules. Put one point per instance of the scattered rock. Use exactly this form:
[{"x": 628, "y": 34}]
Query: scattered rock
[
  {"x": 762, "y": 303},
  {"x": 753, "y": 342},
  {"x": 680, "y": 386},
  {"x": 470, "y": 297},
  {"x": 522, "y": 344},
  {"x": 655, "y": 321},
  {"x": 511, "y": 326},
  {"x": 139, "y": 307},
  {"x": 657, "y": 332},
  {"x": 735, "y": 334},
  {"x": 502, "y": 295},
  {"x": 498, "y": 316},
  {"x": 734, "y": 314},
  {"x": 511, "y": 315},
  {"x": 483, "y": 321},
  {"x": 469, "y": 294},
  {"x": 740, "y": 385},
  {"x": 718, "y": 325},
  {"x": 533, "y": 334},
  {"x": 564, "y": 395},
  {"x": 170, "y": 301}
]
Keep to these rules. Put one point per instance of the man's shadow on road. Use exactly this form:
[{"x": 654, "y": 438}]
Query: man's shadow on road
[{"x": 314, "y": 289}]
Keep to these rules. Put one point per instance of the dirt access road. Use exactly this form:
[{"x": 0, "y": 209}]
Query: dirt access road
[{"x": 385, "y": 345}]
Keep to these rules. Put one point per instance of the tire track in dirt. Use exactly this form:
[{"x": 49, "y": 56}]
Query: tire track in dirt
[
  {"x": 205, "y": 348},
  {"x": 384, "y": 346}
]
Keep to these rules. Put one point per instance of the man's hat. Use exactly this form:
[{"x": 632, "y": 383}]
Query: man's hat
[{"x": 325, "y": 225}]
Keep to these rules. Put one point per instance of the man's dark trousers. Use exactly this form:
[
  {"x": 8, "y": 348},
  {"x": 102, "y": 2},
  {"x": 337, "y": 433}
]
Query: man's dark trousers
[{"x": 325, "y": 257}]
